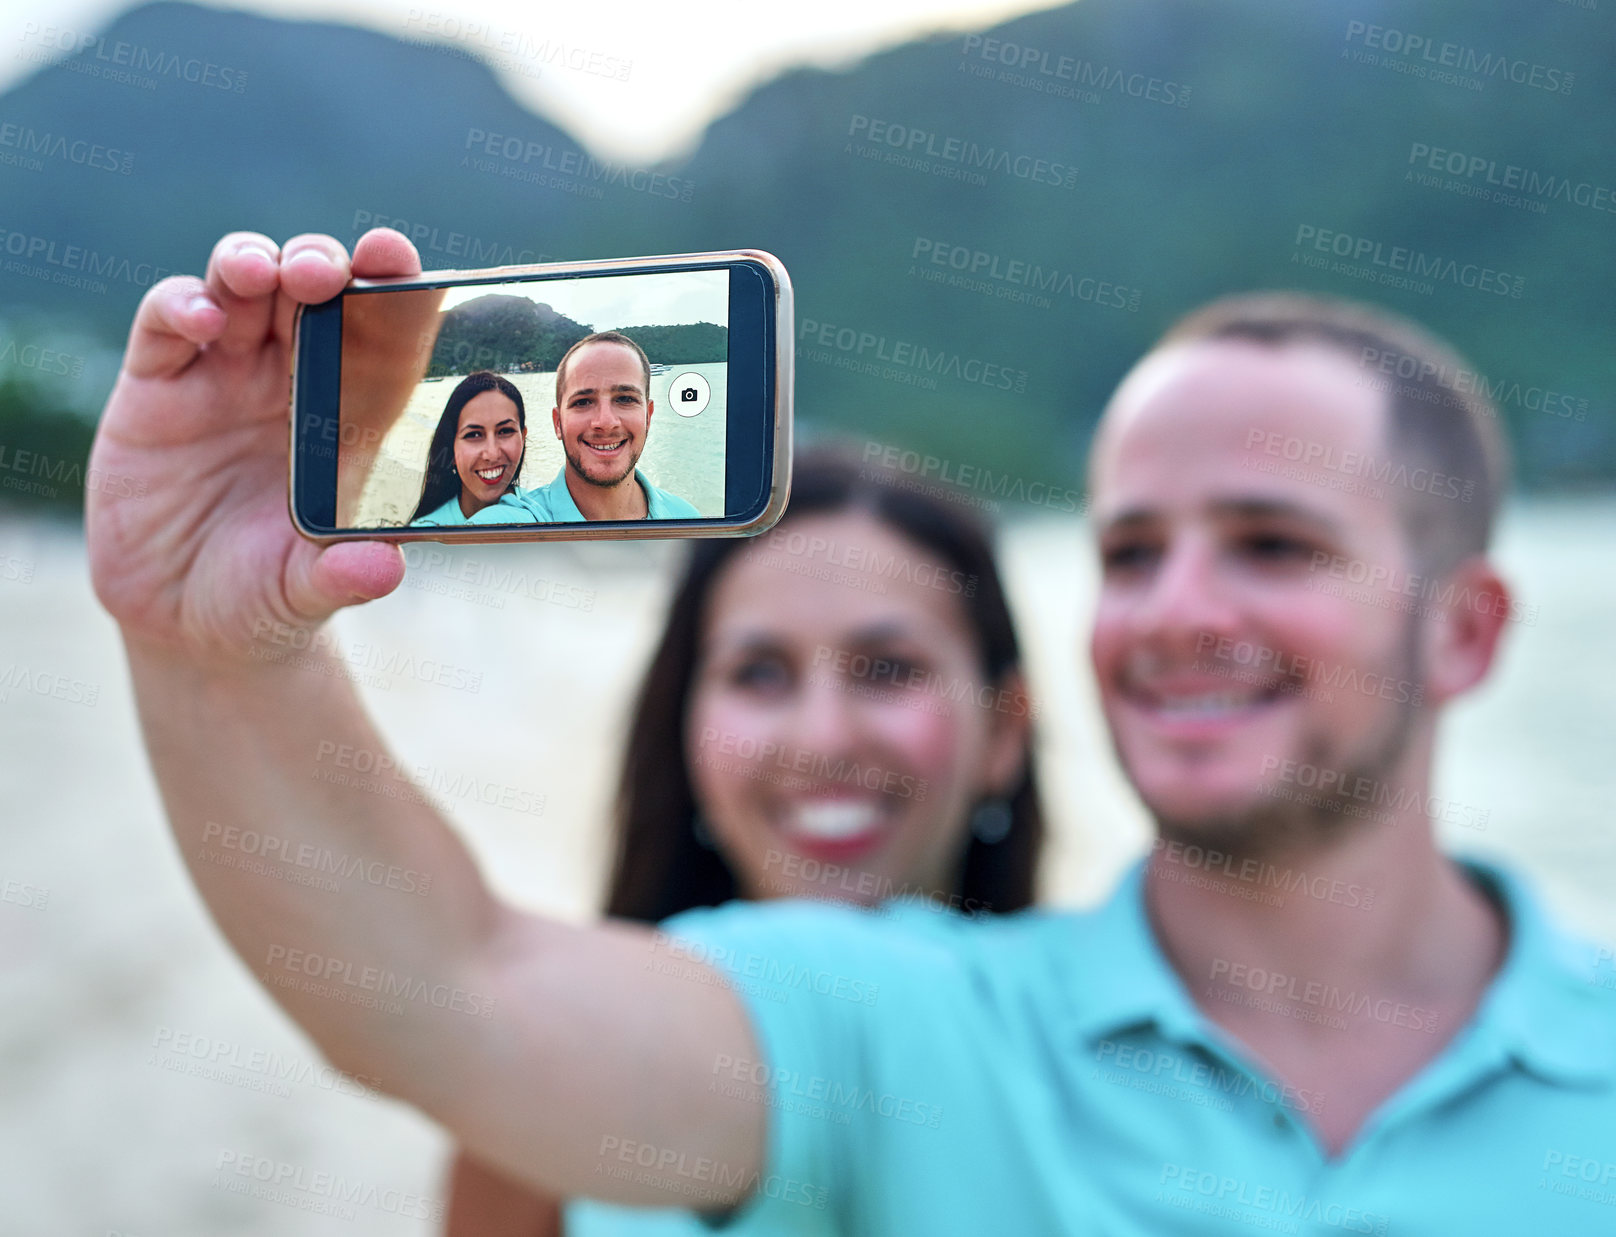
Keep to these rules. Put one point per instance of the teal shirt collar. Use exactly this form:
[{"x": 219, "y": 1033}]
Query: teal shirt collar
[
  {"x": 557, "y": 498},
  {"x": 1544, "y": 1007},
  {"x": 1128, "y": 983},
  {"x": 1542, "y": 1010}
]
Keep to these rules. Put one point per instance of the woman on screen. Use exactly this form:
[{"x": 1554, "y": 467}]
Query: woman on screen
[
  {"x": 476, "y": 453},
  {"x": 777, "y": 698}
]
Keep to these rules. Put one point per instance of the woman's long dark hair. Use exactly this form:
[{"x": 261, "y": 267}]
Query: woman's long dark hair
[
  {"x": 660, "y": 867},
  {"x": 442, "y": 482}
]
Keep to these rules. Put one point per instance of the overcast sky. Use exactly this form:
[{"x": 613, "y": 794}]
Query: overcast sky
[
  {"x": 635, "y": 80},
  {"x": 625, "y": 300}
]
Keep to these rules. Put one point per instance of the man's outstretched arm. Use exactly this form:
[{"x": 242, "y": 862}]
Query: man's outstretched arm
[{"x": 537, "y": 1044}]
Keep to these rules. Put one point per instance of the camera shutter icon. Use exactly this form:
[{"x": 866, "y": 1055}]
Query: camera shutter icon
[{"x": 688, "y": 394}]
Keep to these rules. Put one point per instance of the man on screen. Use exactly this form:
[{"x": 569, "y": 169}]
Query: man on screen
[{"x": 602, "y": 416}]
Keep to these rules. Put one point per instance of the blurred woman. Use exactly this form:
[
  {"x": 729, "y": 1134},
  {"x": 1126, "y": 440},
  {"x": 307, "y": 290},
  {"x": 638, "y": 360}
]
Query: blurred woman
[
  {"x": 836, "y": 710},
  {"x": 476, "y": 452}
]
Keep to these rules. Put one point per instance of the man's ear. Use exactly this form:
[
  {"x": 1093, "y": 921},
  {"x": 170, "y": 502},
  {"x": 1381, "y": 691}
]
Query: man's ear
[
  {"x": 555, "y": 420},
  {"x": 1462, "y": 629}
]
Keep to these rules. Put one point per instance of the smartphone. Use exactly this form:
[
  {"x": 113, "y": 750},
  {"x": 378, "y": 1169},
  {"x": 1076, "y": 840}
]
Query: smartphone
[{"x": 630, "y": 398}]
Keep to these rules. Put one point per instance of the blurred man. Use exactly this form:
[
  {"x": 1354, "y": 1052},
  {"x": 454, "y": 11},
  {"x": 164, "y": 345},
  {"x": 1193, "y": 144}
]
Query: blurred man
[
  {"x": 602, "y": 416},
  {"x": 1298, "y": 1011},
  {"x": 1294, "y": 500}
]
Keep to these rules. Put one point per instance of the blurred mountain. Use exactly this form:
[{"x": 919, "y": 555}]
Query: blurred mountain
[
  {"x": 983, "y": 231},
  {"x": 288, "y": 127}
]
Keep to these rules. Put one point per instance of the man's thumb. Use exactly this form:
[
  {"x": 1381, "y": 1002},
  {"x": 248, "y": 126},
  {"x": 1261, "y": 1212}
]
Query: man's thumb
[{"x": 348, "y": 573}]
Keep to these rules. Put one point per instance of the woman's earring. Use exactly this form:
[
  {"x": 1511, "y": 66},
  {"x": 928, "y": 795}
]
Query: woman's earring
[{"x": 991, "y": 820}]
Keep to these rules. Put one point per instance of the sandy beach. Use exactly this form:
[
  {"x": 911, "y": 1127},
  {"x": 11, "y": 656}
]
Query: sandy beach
[{"x": 148, "y": 1078}]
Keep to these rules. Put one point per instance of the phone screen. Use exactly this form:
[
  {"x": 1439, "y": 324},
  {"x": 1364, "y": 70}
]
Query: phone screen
[{"x": 551, "y": 399}]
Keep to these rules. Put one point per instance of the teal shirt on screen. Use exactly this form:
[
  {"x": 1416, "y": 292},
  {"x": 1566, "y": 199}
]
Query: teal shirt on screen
[
  {"x": 495, "y": 513},
  {"x": 553, "y": 504},
  {"x": 1049, "y": 1073}
]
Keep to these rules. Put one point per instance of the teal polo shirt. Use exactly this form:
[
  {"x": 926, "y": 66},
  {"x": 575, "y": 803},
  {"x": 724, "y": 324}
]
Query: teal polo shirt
[
  {"x": 495, "y": 513},
  {"x": 1048, "y": 1072},
  {"x": 553, "y": 504}
]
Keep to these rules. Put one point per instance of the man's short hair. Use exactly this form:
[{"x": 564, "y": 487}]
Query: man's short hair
[
  {"x": 603, "y": 337},
  {"x": 1438, "y": 415}
]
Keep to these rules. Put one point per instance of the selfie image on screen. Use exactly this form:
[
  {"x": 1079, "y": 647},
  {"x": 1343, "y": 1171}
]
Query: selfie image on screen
[{"x": 553, "y": 401}]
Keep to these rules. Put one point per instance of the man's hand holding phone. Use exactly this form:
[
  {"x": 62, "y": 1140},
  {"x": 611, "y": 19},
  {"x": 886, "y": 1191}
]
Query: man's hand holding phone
[
  {"x": 525, "y": 410},
  {"x": 206, "y": 554},
  {"x": 193, "y": 570}
]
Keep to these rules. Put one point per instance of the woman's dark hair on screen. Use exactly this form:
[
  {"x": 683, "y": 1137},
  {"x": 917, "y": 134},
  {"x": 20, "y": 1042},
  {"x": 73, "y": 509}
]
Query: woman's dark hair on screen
[
  {"x": 660, "y": 867},
  {"x": 442, "y": 482}
]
